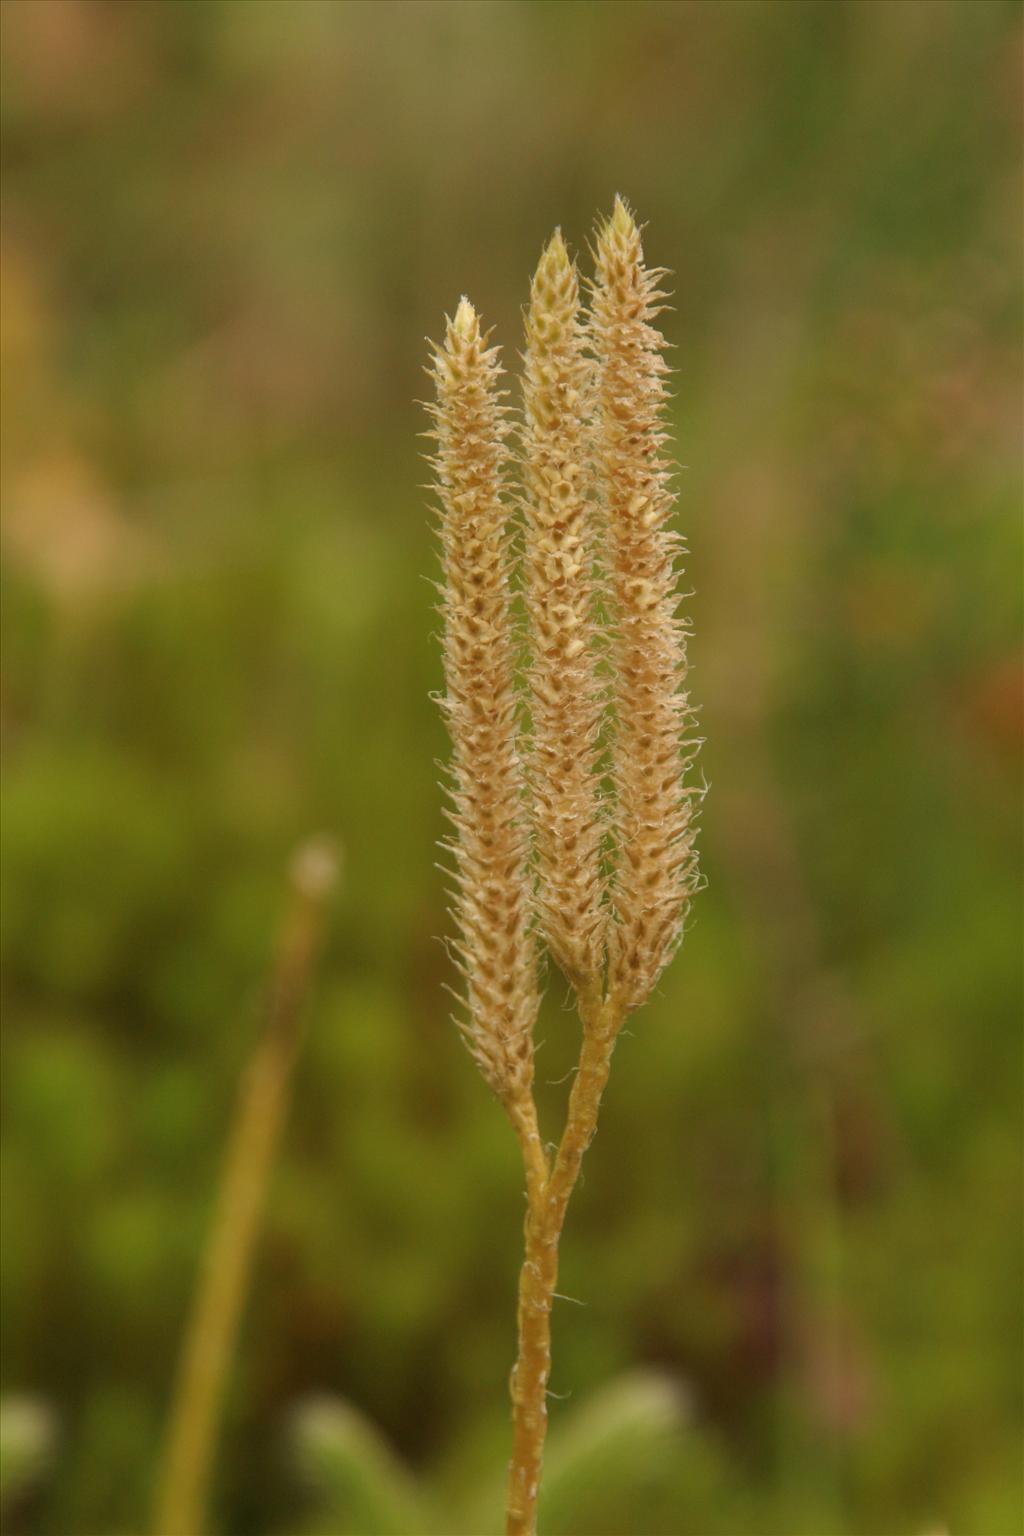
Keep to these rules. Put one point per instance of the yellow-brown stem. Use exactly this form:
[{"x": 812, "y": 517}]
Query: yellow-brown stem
[
  {"x": 220, "y": 1294},
  {"x": 601, "y": 1021},
  {"x": 547, "y": 1201}
]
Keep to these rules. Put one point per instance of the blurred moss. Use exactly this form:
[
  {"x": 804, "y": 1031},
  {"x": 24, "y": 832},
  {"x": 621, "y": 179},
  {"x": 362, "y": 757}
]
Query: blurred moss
[
  {"x": 27, "y": 1434},
  {"x": 359, "y": 1482}
]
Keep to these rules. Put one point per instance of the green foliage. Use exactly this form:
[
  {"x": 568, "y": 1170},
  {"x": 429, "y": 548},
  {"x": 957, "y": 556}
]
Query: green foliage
[
  {"x": 617, "y": 1463},
  {"x": 600, "y": 1470},
  {"x": 361, "y": 1485}
]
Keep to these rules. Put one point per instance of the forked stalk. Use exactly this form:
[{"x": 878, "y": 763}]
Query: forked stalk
[
  {"x": 531, "y": 815},
  {"x": 538, "y": 1278}
]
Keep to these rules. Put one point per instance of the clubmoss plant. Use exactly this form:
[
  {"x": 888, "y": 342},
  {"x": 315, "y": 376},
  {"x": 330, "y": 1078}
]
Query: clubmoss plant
[{"x": 554, "y": 844}]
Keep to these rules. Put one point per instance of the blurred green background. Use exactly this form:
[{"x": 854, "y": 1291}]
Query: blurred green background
[{"x": 227, "y": 230}]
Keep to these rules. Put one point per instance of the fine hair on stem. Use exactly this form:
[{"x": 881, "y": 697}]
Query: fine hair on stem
[{"x": 573, "y": 834}]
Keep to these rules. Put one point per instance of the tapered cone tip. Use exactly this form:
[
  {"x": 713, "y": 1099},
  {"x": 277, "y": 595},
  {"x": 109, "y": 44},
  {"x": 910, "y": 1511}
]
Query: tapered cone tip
[
  {"x": 622, "y": 221},
  {"x": 556, "y": 252},
  {"x": 465, "y": 322}
]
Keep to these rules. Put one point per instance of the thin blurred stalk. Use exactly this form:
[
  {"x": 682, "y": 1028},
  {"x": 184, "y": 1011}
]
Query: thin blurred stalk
[{"x": 220, "y": 1295}]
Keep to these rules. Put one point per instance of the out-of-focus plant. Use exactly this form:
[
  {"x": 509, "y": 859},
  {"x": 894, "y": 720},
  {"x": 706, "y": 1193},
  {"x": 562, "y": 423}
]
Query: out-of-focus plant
[
  {"x": 617, "y": 1442},
  {"x": 360, "y": 1486},
  {"x": 27, "y": 1435},
  {"x": 227, "y": 1262},
  {"x": 607, "y": 1457}
]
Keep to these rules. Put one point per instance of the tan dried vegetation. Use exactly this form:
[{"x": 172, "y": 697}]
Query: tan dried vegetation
[{"x": 576, "y": 833}]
